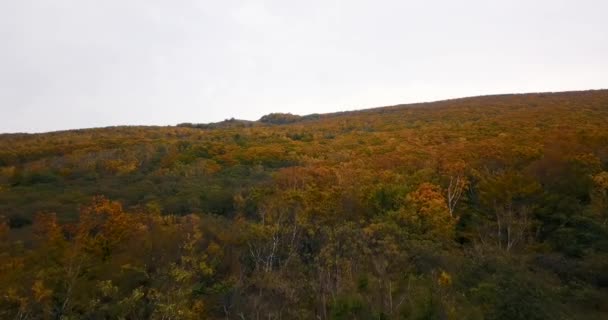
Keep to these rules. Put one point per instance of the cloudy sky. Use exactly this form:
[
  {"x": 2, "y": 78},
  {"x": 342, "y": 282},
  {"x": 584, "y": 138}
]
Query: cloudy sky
[{"x": 87, "y": 63}]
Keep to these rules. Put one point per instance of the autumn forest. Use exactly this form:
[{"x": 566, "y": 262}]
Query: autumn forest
[{"x": 492, "y": 207}]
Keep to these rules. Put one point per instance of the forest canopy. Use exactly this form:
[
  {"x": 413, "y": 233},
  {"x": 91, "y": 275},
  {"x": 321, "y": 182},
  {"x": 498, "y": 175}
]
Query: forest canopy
[{"x": 492, "y": 207}]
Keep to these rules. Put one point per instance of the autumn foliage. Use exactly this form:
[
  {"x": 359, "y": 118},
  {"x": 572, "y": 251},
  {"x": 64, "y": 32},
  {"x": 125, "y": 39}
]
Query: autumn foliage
[{"x": 481, "y": 208}]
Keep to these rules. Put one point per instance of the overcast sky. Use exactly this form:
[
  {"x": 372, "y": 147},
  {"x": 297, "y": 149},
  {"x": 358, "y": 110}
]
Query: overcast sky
[{"x": 87, "y": 63}]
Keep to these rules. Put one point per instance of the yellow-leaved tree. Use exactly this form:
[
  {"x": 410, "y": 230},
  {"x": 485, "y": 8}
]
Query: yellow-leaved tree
[{"x": 426, "y": 213}]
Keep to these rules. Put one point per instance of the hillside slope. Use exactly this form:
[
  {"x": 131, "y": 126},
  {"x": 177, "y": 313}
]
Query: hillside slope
[
  {"x": 58, "y": 171},
  {"x": 492, "y": 207}
]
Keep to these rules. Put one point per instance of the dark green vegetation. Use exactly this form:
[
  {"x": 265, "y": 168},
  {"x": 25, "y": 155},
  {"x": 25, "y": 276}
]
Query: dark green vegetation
[{"x": 480, "y": 208}]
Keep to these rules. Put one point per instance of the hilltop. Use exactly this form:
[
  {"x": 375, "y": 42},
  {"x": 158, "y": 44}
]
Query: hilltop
[
  {"x": 87, "y": 162},
  {"x": 491, "y": 207}
]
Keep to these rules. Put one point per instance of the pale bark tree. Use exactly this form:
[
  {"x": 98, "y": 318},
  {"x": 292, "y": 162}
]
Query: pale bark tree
[{"x": 456, "y": 188}]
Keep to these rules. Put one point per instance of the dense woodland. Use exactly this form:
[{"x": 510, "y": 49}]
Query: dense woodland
[{"x": 480, "y": 208}]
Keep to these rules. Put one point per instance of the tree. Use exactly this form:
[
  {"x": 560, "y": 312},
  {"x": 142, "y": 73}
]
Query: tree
[
  {"x": 508, "y": 196},
  {"x": 599, "y": 196},
  {"x": 426, "y": 213}
]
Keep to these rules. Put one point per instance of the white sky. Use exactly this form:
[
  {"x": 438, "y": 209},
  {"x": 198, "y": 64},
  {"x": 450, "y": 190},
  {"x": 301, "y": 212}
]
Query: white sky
[{"x": 68, "y": 64}]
